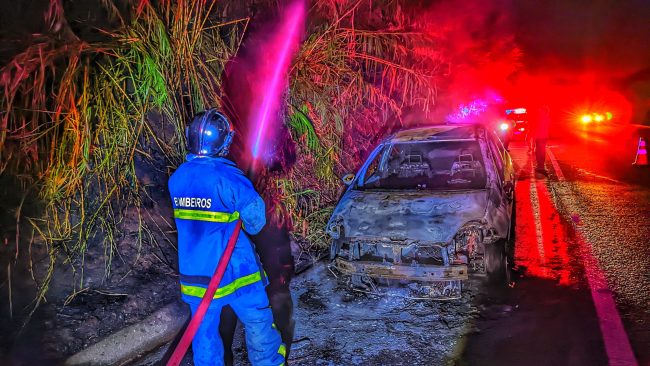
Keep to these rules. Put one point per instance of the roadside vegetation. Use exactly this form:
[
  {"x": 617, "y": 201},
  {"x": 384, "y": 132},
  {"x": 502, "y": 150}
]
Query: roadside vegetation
[
  {"x": 78, "y": 113},
  {"x": 81, "y": 114}
]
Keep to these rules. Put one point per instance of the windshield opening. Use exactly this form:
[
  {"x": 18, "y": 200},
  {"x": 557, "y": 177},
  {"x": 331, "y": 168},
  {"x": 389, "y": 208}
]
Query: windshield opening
[{"x": 435, "y": 165}]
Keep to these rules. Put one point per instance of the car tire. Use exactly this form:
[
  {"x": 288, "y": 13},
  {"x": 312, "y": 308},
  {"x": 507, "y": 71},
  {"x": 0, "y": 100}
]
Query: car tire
[{"x": 496, "y": 263}]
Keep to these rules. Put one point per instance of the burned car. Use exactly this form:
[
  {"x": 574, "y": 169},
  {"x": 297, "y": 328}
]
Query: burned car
[{"x": 429, "y": 207}]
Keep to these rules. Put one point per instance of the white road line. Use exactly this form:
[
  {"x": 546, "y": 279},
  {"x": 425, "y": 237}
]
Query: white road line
[
  {"x": 617, "y": 345},
  {"x": 556, "y": 166},
  {"x": 560, "y": 174},
  {"x": 586, "y": 172},
  {"x": 539, "y": 233}
]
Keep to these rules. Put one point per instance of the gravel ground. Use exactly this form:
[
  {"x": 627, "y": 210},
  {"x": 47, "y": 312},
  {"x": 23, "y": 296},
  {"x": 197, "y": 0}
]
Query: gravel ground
[{"x": 337, "y": 326}]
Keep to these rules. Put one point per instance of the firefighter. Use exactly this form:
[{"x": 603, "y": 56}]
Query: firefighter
[{"x": 209, "y": 194}]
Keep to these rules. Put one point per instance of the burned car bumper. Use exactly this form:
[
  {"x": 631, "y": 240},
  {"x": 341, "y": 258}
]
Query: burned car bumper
[
  {"x": 420, "y": 272},
  {"x": 424, "y": 281}
]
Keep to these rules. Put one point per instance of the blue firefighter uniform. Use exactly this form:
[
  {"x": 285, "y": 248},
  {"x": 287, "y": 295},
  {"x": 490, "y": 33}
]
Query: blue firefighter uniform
[{"x": 209, "y": 194}]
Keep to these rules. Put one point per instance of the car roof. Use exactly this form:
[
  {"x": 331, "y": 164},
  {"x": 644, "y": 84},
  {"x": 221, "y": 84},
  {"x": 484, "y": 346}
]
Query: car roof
[{"x": 439, "y": 133}]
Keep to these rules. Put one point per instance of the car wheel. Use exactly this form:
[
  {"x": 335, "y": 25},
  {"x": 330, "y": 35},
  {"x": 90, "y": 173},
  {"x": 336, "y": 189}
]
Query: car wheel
[{"x": 496, "y": 263}]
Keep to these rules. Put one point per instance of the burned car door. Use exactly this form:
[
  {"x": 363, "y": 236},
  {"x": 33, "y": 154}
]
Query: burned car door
[
  {"x": 499, "y": 255},
  {"x": 334, "y": 227}
]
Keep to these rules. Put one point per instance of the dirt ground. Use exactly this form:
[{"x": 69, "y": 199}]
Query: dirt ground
[
  {"x": 338, "y": 326},
  {"x": 139, "y": 284},
  {"x": 83, "y": 306}
]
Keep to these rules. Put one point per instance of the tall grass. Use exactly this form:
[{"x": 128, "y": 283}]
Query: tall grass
[{"x": 78, "y": 114}]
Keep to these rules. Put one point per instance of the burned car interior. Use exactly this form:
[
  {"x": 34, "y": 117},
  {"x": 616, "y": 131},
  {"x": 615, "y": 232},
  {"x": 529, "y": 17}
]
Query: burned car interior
[{"x": 438, "y": 165}]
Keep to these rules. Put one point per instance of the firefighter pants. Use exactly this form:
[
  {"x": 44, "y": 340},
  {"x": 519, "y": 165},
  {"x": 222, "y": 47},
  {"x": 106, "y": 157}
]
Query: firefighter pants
[
  {"x": 265, "y": 348},
  {"x": 282, "y": 307}
]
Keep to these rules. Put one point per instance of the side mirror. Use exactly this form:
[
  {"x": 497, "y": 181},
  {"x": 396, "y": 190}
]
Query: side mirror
[{"x": 348, "y": 179}]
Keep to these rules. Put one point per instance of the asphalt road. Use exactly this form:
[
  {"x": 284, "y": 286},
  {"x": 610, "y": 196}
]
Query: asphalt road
[{"x": 582, "y": 258}]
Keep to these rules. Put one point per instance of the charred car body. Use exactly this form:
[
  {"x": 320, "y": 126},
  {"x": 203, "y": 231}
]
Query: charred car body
[{"x": 428, "y": 207}]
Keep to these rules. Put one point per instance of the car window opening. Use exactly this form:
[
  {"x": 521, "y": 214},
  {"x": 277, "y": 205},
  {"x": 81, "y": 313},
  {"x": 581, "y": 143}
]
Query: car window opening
[{"x": 436, "y": 165}]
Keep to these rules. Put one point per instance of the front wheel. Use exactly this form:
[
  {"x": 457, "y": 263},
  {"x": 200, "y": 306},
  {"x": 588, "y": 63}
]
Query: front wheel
[{"x": 496, "y": 263}]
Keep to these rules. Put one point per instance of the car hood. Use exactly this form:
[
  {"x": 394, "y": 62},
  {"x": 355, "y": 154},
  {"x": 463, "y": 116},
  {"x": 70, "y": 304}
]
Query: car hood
[{"x": 423, "y": 216}]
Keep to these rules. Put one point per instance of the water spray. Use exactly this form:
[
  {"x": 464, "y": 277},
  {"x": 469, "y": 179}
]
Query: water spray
[{"x": 273, "y": 86}]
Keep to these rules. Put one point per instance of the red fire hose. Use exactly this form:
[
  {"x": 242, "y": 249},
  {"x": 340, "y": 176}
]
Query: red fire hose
[{"x": 193, "y": 326}]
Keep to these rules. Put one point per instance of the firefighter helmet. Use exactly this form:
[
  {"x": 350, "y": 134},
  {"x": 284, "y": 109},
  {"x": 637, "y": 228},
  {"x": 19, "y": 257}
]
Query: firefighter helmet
[{"x": 209, "y": 134}]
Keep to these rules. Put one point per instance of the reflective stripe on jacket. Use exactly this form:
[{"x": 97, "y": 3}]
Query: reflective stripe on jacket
[{"x": 208, "y": 196}]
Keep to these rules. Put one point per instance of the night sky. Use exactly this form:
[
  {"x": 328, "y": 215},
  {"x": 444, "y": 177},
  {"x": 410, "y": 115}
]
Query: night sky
[{"x": 611, "y": 36}]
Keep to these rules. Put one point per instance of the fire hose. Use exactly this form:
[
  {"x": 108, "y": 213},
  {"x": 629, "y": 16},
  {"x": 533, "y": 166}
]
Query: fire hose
[{"x": 194, "y": 324}]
